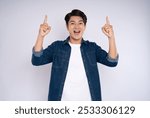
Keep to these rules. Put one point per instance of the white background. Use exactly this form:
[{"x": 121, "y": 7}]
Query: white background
[{"x": 19, "y": 24}]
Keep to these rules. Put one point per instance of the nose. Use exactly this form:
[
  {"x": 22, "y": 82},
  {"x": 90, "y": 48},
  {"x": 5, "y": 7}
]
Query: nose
[{"x": 76, "y": 26}]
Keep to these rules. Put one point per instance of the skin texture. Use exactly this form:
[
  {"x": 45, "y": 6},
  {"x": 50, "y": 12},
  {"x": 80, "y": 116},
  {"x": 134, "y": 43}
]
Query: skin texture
[
  {"x": 109, "y": 32},
  {"x": 76, "y": 28},
  {"x": 43, "y": 31}
]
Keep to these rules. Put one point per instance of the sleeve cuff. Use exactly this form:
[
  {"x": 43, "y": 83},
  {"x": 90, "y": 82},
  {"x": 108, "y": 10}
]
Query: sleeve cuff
[
  {"x": 37, "y": 54},
  {"x": 110, "y": 59}
]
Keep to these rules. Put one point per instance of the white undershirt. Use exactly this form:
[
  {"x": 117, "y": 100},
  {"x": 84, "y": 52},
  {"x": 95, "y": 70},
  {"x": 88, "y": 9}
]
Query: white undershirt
[{"x": 76, "y": 85}]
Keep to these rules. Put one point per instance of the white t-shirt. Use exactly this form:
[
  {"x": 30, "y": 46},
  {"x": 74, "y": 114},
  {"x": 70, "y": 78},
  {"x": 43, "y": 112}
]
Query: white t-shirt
[{"x": 76, "y": 86}]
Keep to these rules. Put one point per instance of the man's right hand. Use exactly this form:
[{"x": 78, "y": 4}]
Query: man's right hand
[
  {"x": 44, "y": 28},
  {"x": 43, "y": 31}
]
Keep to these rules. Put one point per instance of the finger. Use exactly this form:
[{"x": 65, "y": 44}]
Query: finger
[
  {"x": 104, "y": 31},
  {"x": 45, "y": 19},
  {"x": 107, "y": 20}
]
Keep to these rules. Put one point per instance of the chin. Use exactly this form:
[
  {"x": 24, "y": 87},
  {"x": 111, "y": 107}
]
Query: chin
[{"x": 77, "y": 38}]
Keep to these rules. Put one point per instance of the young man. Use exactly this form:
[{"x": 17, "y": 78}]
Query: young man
[{"x": 74, "y": 74}]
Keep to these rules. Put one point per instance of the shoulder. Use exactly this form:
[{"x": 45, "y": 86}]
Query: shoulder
[
  {"x": 90, "y": 43},
  {"x": 56, "y": 43}
]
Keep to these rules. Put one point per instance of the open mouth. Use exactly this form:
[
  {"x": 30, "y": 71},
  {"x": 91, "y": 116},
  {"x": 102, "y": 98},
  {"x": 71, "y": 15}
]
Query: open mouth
[{"x": 77, "y": 32}]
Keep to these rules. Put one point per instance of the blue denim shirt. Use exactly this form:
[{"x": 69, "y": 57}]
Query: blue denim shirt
[{"x": 59, "y": 53}]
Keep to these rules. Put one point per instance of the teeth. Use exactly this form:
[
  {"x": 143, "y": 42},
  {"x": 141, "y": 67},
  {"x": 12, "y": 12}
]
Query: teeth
[{"x": 76, "y": 31}]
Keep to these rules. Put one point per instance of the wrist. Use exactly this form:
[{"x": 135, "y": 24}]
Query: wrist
[
  {"x": 40, "y": 37},
  {"x": 111, "y": 38}
]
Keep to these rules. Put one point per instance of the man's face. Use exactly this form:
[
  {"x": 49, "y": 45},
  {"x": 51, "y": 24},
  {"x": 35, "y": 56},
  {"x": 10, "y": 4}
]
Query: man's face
[{"x": 76, "y": 28}]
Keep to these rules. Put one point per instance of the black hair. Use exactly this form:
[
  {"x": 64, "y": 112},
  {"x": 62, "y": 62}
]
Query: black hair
[{"x": 76, "y": 12}]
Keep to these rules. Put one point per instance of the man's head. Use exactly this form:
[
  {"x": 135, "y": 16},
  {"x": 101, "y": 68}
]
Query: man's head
[
  {"x": 76, "y": 24},
  {"x": 76, "y": 12}
]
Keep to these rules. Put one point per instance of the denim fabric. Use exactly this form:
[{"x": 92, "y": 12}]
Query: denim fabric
[{"x": 59, "y": 53}]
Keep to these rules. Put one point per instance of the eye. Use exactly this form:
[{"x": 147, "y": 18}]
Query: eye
[
  {"x": 81, "y": 23},
  {"x": 72, "y": 23}
]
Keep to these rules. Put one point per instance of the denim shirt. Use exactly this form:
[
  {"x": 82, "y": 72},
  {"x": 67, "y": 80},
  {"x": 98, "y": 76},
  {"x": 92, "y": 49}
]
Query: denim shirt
[{"x": 59, "y": 53}]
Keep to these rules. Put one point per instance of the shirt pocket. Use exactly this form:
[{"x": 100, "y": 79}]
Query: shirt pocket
[
  {"x": 91, "y": 58},
  {"x": 59, "y": 59}
]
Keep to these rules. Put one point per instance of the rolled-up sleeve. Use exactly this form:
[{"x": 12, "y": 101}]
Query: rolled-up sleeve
[
  {"x": 44, "y": 56},
  {"x": 103, "y": 57},
  {"x": 37, "y": 54},
  {"x": 113, "y": 59}
]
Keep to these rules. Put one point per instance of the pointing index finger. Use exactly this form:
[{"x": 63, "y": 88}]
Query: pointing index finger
[
  {"x": 107, "y": 20},
  {"x": 45, "y": 19}
]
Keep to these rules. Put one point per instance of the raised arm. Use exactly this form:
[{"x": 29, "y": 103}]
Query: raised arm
[
  {"x": 109, "y": 32},
  {"x": 43, "y": 31}
]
